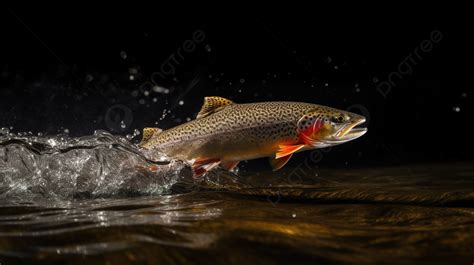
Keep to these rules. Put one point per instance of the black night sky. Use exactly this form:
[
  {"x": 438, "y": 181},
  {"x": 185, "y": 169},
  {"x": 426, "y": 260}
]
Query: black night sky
[{"x": 86, "y": 69}]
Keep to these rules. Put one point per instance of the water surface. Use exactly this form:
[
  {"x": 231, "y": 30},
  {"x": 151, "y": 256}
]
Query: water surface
[{"x": 89, "y": 200}]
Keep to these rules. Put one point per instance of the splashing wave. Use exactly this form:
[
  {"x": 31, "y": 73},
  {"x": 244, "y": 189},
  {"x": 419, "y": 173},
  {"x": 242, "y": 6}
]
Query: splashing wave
[{"x": 99, "y": 165}]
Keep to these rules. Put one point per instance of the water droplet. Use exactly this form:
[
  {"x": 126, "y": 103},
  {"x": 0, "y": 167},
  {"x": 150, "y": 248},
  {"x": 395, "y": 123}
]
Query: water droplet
[
  {"x": 89, "y": 78},
  {"x": 146, "y": 93},
  {"x": 457, "y": 109},
  {"x": 123, "y": 55},
  {"x": 293, "y": 215},
  {"x": 240, "y": 90},
  {"x": 208, "y": 48},
  {"x": 122, "y": 124},
  {"x": 326, "y": 84},
  {"x": 141, "y": 101},
  {"x": 66, "y": 130},
  {"x": 4, "y": 131},
  {"x": 166, "y": 91},
  {"x": 188, "y": 119},
  {"x": 181, "y": 102},
  {"x": 158, "y": 89},
  {"x": 357, "y": 90},
  {"x": 40, "y": 134},
  {"x": 242, "y": 80},
  {"x": 230, "y": 83},
  {"x": 155, "y": 99},
  {"x": 132, "y": 77},
  {"x": 136, "y": 132},
  {"x": 336, "y": 67}
]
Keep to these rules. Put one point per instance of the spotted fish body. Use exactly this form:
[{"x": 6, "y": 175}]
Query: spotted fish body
[{"x": 225, "y": 133}]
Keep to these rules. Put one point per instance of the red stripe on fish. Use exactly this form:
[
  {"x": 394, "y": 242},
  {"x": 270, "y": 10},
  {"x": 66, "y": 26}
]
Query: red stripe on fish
[{"x": 307, "y": 134}]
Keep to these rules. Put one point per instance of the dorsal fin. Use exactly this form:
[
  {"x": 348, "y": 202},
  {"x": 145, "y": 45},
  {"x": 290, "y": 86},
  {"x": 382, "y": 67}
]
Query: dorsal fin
[
  {"x": 148, "y": 133},
  {"x": 213, "y": 105}
]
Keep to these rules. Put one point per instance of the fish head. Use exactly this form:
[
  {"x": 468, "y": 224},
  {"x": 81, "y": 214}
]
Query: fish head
[{"x": 327, "y": 127}]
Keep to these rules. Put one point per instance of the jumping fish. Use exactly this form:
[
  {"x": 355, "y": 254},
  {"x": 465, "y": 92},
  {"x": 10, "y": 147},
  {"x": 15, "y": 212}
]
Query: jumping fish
[{"x": 225, "y": 133}]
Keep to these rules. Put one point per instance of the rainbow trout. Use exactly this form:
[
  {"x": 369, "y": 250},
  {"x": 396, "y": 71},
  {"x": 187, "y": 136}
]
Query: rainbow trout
[{"x": 225, "y": 133}]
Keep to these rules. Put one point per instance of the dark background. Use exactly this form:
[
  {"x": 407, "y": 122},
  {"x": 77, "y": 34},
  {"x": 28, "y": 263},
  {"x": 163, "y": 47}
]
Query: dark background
[{"x": 73, "y": 69}]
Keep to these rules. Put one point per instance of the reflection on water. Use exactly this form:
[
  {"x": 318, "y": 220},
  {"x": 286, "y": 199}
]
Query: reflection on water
[{"x": 416, "y": 214}]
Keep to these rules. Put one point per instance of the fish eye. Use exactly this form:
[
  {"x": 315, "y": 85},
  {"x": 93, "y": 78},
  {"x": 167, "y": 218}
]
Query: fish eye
[{"x": 337, "y": 118}]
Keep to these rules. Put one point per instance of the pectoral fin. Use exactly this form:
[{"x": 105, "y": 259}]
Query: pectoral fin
[
  {"x": 285, "y": 150},
  {"x": 278, "y": 163}
]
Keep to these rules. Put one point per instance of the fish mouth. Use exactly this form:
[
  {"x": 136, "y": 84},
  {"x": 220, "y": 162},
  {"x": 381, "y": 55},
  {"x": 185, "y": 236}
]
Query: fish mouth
[{"x": 349, "y": 132}]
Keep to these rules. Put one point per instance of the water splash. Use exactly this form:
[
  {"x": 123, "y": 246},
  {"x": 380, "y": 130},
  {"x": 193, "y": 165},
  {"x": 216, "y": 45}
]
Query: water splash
[{"x": 99, "y": 165}]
